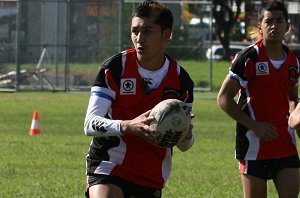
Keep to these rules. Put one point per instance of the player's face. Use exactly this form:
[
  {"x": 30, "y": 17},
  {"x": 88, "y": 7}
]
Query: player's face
[
  {"x": 273, "y": 26},
  {"x": 148, "y": 39}
]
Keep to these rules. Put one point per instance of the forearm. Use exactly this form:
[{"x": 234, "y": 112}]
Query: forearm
[
  {"x": 294, "y": 118},
  {"x": 100, "y": 126},
  {"x": 235, "y": 112},
  {"x": 96, "y": 123}
]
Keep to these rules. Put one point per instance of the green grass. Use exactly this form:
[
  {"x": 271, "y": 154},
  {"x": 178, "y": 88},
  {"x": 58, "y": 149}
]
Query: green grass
[
  {"x": 52, "y": 164},
  {"x": 200, "y": 72}
]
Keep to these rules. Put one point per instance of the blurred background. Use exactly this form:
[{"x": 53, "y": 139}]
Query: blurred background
[{"x": 58, "y": 45}]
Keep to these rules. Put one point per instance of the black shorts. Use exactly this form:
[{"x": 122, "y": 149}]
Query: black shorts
[
  {"x": 267, "y": 169},
  {"x": 129, "y": 189}
]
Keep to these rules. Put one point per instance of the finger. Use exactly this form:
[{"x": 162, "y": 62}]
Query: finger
[
  {"x": 147, "y": 121},
  {"x": 148, "y": 129},
  {"x": 189, "y": 134},
  {"x": 147, "y": 113}
]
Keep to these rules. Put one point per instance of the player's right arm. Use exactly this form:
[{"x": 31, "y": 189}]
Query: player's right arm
[
  {"x": 98, "y": 120},
  {"x": 228, "y": 91}
]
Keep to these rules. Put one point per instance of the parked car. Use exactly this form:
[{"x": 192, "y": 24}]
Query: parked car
[{"x": 217, "y": 51}]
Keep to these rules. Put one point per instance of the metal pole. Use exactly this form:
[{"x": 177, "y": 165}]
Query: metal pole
[
  {"x": 210, "y": 38},
  {"x": 56, "y": 26},
  {"x": 67, "y": 46},
  {"x": 121, "y": 24},
  {"x": 18, "y": 29}
]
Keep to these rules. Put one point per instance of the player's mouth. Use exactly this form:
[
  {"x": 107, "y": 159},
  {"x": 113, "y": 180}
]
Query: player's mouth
[
  {"x": 273, "y": 33},
  {"x": 141, "y": 49}
]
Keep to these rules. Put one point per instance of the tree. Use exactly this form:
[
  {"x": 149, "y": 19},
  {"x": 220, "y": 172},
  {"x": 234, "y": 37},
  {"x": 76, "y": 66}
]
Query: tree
[{"x": 225, "y": 19}]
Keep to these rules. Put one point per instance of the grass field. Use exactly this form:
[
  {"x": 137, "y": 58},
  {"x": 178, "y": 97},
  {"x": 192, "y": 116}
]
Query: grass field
[{"x": 52, "y": 164}]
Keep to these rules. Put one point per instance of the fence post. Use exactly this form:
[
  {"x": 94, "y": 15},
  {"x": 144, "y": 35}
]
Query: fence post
[
  {"x": 18, "y": 24},
  {"x": 121, "y": 24}
]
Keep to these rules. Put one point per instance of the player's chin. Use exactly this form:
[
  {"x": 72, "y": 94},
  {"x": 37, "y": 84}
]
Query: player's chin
[{"x": 275, "y": 38}]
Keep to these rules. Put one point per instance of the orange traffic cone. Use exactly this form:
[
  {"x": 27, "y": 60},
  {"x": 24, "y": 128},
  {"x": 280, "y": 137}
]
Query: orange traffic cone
[{"x": 35, "y": 125}]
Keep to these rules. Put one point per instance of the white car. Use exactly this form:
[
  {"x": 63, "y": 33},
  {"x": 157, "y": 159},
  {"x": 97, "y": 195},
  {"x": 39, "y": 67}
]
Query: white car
[{"x": 218, "y": 51}]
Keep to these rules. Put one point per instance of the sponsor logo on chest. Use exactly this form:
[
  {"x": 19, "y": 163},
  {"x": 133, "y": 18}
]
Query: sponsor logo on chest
[
  {"x": 262, "y": 68},
  {"x": 128, "y": 86}
]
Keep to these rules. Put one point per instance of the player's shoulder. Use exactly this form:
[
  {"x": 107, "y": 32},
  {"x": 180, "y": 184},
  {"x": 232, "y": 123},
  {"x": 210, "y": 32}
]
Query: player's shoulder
[
  {"x": 249, "y": 52},
  {"x": 112, "y": 62},
  {"x": 180, "y": 69},
  {"x": 290, "y": 52}
]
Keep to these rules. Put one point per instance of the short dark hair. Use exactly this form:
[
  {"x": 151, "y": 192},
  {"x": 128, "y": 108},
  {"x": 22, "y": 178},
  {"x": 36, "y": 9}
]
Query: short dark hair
[
  {"x": 272, "y": 5},
  {"x": 161, "y": 13}
]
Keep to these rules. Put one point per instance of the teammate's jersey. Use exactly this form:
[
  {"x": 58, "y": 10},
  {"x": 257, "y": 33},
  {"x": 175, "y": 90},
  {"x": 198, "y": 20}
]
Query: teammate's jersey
[
  {"x": 264, "y": 96},
  {"x": 128, "y": 156}
]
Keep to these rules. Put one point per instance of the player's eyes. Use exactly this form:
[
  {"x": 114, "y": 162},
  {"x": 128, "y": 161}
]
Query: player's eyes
[
  {"x": 268, "y": 21},
  {"x": 134, "y": 31},
  {"x": 280, "y": 21},
  {"x": 146, "y": 31}
]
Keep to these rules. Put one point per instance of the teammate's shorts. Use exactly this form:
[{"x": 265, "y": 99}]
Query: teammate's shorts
[
  {"x": 267, "y": 169},
  {"x": 129, "y": 189}
]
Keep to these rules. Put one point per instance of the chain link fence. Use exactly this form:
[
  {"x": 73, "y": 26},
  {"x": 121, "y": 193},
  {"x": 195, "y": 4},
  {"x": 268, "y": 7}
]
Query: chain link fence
[{"x": 57, "y": 45}]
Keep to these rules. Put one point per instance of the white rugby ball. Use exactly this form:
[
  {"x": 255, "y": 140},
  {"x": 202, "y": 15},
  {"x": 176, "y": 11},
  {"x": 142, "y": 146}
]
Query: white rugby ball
[{"x": 172, "y": 122}]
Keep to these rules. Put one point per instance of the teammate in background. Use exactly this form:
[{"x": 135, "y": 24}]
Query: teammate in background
[
  {"x": 121, "y": 162},
  {"x": 265, "y": 76}
]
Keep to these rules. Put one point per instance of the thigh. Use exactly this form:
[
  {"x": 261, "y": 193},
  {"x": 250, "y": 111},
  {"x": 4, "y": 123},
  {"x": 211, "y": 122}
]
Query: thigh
[
  {"x": 254, "y": 187},
  {"x": 287, "y": 183},
  {"x": 107, "y": 186},
  {"x": 103, "y": 186},
  {"x": 105, "y": 191}
]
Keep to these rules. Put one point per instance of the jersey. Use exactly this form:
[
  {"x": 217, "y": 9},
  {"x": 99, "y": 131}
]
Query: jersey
[
  {"x": 128, "y": 156},
  {"x": 264, "y": 97}
]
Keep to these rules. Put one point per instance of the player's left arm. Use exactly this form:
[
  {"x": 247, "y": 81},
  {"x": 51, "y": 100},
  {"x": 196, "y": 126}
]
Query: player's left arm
[
  {"x": 293, "y": 98},
  {"x": 188, "y": 141},
  {"x": 188, "y": 85}
]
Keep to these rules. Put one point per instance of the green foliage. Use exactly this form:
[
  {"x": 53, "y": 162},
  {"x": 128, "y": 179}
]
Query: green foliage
[{"x": 52, "y": 164}]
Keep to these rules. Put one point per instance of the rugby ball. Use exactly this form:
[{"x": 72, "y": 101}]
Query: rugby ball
[{"x": 172, "y": 122}]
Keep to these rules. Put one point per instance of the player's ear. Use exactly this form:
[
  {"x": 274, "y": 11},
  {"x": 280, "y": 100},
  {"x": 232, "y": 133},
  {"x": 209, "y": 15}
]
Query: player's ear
[
  {"x": 167, "y": 34},
  {"x": 259, "y": 28},
  {"x": 288, "y": 27}
]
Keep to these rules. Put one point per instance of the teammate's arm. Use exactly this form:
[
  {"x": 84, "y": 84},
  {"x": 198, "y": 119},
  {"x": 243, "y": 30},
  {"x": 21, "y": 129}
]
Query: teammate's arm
[
  {"x": 228, "y": 91},
  {"x": 294, "y": 118}
]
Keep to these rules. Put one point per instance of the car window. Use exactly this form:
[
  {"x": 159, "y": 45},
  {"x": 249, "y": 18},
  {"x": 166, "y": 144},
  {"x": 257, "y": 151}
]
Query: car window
[
  {"x": 233, "y": 51},
  {"x": 219, "y": 51}
]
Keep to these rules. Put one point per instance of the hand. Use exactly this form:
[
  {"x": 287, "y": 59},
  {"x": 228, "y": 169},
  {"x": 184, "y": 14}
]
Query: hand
[
  {"x": 187, "y": 142},
  {"x": 189, "y": 134},
  {"x": 265, "y": 131},
  {"x": 139, "y": 125}
]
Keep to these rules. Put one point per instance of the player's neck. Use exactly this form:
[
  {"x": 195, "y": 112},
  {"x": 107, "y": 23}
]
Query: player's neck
[
  {"x": 274, "y": 50},
  {"x": 152, "y": 64}
]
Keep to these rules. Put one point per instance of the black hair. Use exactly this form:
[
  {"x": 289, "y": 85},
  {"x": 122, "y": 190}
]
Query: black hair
[
  {"x": 273, "y": 5},
  {"x": 150, "y": 8}
]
